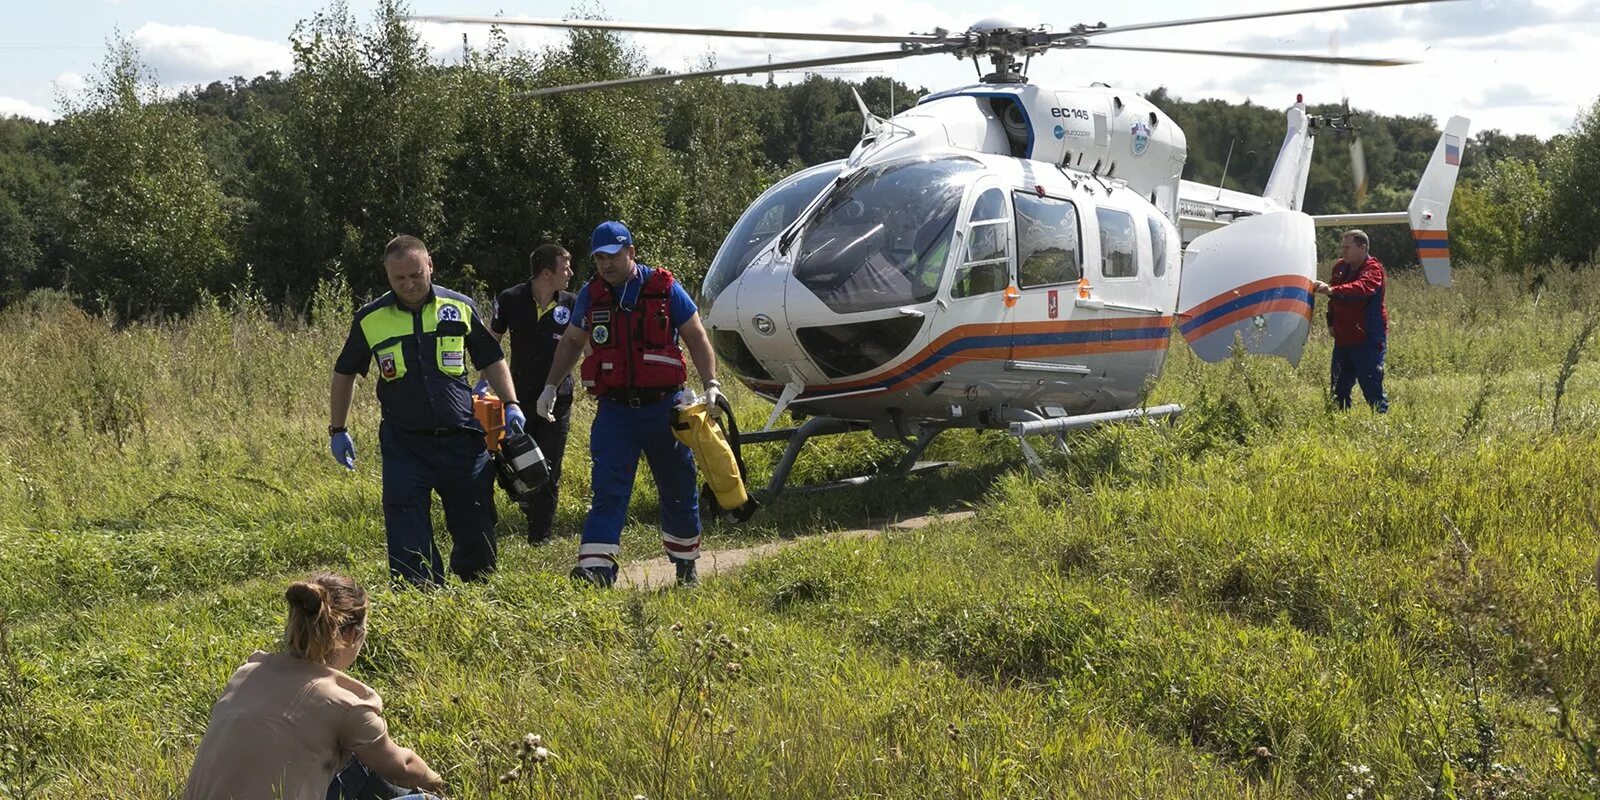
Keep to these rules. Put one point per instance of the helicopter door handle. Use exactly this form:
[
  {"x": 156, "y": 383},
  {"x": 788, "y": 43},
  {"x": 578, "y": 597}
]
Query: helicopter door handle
[
  {"x": 907, "y": 311},
  {"x": 1086, "y": 302}
]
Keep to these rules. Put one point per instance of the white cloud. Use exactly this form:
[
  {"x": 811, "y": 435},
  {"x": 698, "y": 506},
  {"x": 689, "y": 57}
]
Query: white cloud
[
  {"x": 12, "y": 107},
  {"x": 70, "y": 83},
  {"x": 186, "y": 54}
]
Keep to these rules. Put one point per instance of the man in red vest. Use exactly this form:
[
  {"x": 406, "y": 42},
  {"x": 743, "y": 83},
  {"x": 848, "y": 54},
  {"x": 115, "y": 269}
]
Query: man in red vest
[
  {"x": 633, "y": 317},
  {"x": 1358, "y": 321}
]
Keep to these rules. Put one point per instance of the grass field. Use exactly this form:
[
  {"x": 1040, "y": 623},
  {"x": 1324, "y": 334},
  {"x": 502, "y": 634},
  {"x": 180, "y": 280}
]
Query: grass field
[{"x": 1266, "y": 599}]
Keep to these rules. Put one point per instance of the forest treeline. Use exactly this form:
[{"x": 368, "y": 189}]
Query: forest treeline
[{"x": 139, "y": 203}]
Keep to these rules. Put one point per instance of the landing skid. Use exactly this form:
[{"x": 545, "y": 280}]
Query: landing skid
[
  {"x": 916, "y": 469},
  {"x": 1026, "y": 423},
  {"x": 1018, "y": 423}
]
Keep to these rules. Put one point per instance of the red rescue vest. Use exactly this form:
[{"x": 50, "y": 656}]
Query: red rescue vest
[{"x": 632, "y": 348}]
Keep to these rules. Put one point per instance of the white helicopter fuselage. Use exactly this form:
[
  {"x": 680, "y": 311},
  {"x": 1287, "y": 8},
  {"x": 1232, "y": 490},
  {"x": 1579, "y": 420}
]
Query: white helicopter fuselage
[{"x": 1055, "y": 289}]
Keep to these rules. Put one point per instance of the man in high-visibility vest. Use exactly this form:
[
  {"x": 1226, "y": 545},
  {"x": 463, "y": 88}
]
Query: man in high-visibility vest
[
  {"x": 421, "y": 337},
  {"x": 633, "y": 318}
]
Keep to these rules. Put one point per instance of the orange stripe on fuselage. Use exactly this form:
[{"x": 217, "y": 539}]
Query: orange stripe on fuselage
[{"x": 1296, "y": 281}]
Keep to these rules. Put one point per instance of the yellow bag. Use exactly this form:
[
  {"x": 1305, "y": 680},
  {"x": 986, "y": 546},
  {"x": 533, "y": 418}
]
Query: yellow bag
[{"x": 694, "y": 427}]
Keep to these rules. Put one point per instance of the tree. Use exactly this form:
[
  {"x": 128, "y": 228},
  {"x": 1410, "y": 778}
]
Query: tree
[
  {"x": 33, "y": 200},
  {"x": 147, "y": 231},
  {"x": 361, "y": 154},
  {"x": 1498, "y": 219},
  {"x": 1572, "y": 217}
]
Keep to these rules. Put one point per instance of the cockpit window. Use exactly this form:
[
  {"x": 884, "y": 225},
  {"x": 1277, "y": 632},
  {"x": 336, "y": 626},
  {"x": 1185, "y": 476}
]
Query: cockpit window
[
  {"x": 773, "y": 211},
  {"x": 882, "y": 238}
]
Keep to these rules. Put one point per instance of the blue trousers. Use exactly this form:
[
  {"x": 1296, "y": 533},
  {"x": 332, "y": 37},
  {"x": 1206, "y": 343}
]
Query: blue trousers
[
  {"x": 616, "y": 439},
  {"x": 1363, "y": 364},
  {"x": 457, "y": 467},
  {"x": 356, "y": 782}
]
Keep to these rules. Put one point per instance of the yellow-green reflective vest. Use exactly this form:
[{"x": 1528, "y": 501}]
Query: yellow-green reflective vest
[{"x": 387, "y": 327}]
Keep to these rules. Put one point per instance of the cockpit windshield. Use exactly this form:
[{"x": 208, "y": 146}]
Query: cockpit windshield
[
  {"x": 881, "y": 238},
  {"x": 773, "y": 211}
]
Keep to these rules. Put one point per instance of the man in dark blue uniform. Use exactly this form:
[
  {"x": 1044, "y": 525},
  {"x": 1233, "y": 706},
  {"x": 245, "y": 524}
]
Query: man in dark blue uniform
[
  {"x": 632, "y": 318},
  {"x": 421, "y": 337},
  {"x": 536, "y": 313}
]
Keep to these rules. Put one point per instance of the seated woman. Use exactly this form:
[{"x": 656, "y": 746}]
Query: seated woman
[{"x": 289, "y": 721}]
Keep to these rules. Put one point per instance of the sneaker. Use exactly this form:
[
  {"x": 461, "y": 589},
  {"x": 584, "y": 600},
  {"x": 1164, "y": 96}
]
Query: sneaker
[
  {"x": 537, "y": 536},
  {"x": 602, "y": 577},
  {"x": 688, "y": 576}
]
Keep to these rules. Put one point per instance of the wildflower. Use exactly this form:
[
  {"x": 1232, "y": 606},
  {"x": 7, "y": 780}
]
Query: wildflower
[
  {"x": 509, "y": 777},
  {"x": 1263, "y": 752},
  {"x": 531, "y": 741},
  {"x": 706, "y": 712},
  {"x": 677, "y": 627},
  {"x": 952, "y": 731},
  {"x": 732, "y": 667},
  {"x": 709, "y": 625},
  {"x": 540, "y": 755}
]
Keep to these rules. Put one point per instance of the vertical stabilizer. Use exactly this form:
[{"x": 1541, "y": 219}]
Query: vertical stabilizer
[
  {"x": 1287, "y": 186},
  {"x": 1430, "y": 206}
]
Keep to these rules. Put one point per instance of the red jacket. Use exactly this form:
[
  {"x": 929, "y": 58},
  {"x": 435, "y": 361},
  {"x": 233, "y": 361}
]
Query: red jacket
[{"x": 1356, "y": 314}]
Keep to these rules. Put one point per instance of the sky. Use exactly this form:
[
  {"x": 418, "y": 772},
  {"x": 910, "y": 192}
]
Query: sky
[{"x": 1522, "y": 66}]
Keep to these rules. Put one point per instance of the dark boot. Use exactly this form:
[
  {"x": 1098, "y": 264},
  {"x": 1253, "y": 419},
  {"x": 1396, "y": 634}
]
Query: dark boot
[
  {"x": 688, "y": 576},
  {"x": 602, "y": 577}
]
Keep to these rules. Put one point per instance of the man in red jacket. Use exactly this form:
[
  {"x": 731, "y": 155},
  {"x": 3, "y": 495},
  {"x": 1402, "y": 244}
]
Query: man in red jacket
[{"x": 1358, "y": 321}]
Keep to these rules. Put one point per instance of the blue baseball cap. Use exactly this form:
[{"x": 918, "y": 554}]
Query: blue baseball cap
[{"x": 610, "y": 237}]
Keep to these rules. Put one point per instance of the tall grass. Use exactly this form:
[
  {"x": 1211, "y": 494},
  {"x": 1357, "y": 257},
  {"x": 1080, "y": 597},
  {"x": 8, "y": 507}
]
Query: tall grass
[{"x": 1264, "y": 598}]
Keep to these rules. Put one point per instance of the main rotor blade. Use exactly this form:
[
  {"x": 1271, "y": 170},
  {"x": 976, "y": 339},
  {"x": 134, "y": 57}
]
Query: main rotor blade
[
  {"x": 751, "y": 69},
  {"x": 1146, "y": 26},
  {"x": 633, "y": 27},
  {"x": 1355, "y": 62}
]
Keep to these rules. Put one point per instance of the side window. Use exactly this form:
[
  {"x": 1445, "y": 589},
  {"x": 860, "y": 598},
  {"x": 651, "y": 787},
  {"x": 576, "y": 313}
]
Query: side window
[
  {"x": 986, "y": 255},
  {"x": 1047, "y": 241},
  {"x": 1117, "y": 259},
  {"x": 1158, "y": 245},
  {"x": 990, "y": 206}
]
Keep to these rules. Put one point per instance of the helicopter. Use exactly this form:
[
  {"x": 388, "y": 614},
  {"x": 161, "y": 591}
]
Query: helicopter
[{"x": 1005, "y": 255}]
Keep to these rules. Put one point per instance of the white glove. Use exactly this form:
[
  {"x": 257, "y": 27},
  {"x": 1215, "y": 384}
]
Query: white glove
[
  {"x": 547, "y": 403},
  {"x": 714, "y": 399}
]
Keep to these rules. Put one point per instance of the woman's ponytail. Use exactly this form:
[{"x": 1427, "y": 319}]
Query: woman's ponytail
[{"x": 319, "y": 610}]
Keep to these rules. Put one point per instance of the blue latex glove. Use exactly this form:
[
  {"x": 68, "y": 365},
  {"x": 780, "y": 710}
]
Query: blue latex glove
[
  {"x": 516, "y": 422},
  {"x": 482, "y": 388},
  {"x": 344, "y": 450}
]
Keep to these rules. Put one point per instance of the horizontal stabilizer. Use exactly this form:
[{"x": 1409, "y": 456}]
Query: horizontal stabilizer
[{"x": 1250, "y": 281}]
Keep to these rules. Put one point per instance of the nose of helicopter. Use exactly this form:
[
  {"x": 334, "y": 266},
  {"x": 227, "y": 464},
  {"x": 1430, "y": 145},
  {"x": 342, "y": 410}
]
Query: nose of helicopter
[{"x": 752, "y": 329}]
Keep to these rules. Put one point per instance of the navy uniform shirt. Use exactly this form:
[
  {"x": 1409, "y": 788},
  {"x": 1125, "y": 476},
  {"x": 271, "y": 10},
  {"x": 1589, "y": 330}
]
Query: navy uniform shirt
[
  {"x": 535, "y": 332},
  {"x": 425, "y": 398}
]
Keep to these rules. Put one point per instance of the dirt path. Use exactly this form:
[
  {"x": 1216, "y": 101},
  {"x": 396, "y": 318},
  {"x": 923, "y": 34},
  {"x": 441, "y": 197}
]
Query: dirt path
[{"x": 656, "y": 573}]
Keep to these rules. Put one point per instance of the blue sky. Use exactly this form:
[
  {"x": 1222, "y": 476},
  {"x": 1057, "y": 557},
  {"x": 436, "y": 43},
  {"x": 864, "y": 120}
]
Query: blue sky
[{"x": 1523, "y": 66}]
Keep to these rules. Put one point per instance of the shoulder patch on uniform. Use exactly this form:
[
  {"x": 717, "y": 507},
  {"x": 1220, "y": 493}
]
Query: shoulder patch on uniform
[
  {"x": 561, "y": 315},
  {"x": 449, "y": 313},
  {"x": 601, "y": 334}
]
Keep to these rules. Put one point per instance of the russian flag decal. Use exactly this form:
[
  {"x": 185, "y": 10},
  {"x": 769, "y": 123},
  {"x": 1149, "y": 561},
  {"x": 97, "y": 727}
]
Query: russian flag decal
[{"x": 1452, "y": 150}]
